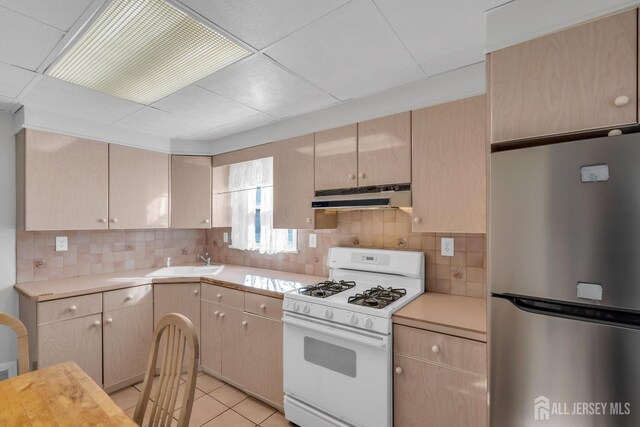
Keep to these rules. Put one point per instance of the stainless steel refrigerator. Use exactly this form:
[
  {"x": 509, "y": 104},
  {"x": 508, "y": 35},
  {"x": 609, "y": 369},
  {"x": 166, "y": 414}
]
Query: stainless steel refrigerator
[{"x": 565, "y": 284}]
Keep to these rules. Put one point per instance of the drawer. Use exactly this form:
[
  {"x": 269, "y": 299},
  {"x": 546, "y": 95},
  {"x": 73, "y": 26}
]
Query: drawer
[
  {"x": 451, "y": 351},
  {"x": 221, "y": 295},
  {"x": 263, "y": 306},
  {"x": 69, "y": 308},
  {"x": 122, "y": 298}
]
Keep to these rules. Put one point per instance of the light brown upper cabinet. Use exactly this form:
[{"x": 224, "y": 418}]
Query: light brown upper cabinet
[
  {"x": 62, "y": 182},
  {"x": 384, "y": 150},
  {"x": 293, "y": 186},
  {"x": 138, "y": 188},
  {"x": 336, "y": 158},
  {"x": 221, "y": 202},
  {"x": 449, "y": 167},
  {"x": 191, "y": 192},
  {"x": 579, "y": 79}
]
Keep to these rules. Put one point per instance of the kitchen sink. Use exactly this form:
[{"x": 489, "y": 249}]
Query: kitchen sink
[{"x": 186, "y": 271}]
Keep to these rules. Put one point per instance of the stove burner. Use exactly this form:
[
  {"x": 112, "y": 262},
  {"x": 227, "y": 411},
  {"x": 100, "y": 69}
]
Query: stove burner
[
  {"x": 377, "y": 297},
  {"x": 326, "y": 289}
]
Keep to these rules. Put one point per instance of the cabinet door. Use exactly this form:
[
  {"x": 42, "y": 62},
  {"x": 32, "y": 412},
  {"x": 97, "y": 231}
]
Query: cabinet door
[
  {"x": 293, "y": 183},
  {"x": 138, "y": 188},
  {"x": 567, "y": 81},
  {"x": 211, "y": 344},
  {"x": 221, "y": 203},
  {"x": 336, "y": 158},
  {"x": 182, "y": 298},
  {"x": 426, "y": 394},
  {"x": 449, "y": 172},
  {"x": 233, "y": 365},
  {"x": 263, "y": 357},
  {"x": 78, "y": 340},
  {"x": 65, "y": 181},
  {"x": 190, "y": 192},
  {"x": 127, "y": 335},
  {"x": 384, "y": 150}
]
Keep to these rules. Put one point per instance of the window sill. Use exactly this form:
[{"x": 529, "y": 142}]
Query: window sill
[{"x": 257, "y": 250}]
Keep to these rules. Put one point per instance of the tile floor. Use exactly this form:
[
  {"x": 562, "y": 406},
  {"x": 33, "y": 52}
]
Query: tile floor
[{"x": 216, "y": 404}]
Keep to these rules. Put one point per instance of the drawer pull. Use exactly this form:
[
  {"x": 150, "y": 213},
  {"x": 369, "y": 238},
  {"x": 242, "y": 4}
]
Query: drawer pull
[
  {"x": 195, "y": 292},
  {"x": 621, "y": 101},
  {"x": 206, "y": 221},
  {"x": 219, "y": 296},
  {"x": 221, "y": 315},
  {"x": 398, "y": 370},
  {"x": 109, "y": 320},
  {"x": 417, "y": 220},
  {"x": 362, "y": 175},
  {"x": 215, "y": 313},
  {"x": 102, "y": 220},
  {"x": 114, "y": 220},
  {"x": 263, "y": 307},
  {"x": 352, "y": 176},
  {"x": 128, "y": 298},
  {"x": 73, "y": 308},
  {"x": 244, "y": 323},
  {"x": 308, "y": 220},
  {"x": 97, "y": 323},
  {"x": 435, "y": 349}
]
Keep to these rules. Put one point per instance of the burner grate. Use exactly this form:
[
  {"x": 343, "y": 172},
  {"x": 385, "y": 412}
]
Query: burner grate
[
  {"x": 377, "y": 297},
  {"x": 327, "y": 288}
]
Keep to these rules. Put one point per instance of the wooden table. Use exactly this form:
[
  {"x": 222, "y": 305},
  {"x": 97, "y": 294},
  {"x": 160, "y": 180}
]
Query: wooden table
[{"x": 60, "y": 395}]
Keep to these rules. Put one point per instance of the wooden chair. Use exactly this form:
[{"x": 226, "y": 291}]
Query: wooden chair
[
  {"x": 23, "y": 340},
  {"x": 180, "y": 333}
]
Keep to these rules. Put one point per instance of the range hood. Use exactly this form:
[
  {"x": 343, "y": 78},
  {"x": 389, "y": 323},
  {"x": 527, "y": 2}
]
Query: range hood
[{"x": 383, "y": 196}]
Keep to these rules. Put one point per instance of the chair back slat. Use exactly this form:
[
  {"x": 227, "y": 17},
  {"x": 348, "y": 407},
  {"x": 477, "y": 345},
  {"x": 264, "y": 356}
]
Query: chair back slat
[
  {"x": 23, "y": 340},
  {"x": 179, "y": 337}
]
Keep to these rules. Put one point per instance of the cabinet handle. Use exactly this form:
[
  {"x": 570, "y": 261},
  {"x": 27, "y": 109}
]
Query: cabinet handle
[
  {"x": 102, "y": 220},
  {"x": 219, "y": 296},
  {"x": 417, "y": 220},
  {"x": 352, "y": 176},
  {"x": 308, "y": 220},
  {"x": 109, "y": 321},
  {"x": 195, "y": 292},
  {"x": 215, "y": 313},
  {"x": 221, "y": 315},
  {"x": 398, "y": 370},
  {"x": 206, "y": 221},
  {"x": 96, "y": 323},
  {"x": 621, "y": 101},
  {"x": 73, "y": 308},
  {"x": 114, "y": 220},
  {"x": 263, "y": 307},
  {"x": 435, "y": 349},
  {"x": 128, "y": 298},
  {"x": 362, "y": 175},
  {"x": 244, "y": 323}
]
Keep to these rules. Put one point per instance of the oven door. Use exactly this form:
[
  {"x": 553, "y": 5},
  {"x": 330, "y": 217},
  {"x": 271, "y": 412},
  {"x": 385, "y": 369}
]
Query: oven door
[{"x": 342, "y": 371}]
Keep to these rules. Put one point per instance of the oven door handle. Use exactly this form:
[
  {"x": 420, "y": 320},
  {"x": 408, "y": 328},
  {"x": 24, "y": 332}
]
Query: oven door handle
[{"x": 329, "y": 329}]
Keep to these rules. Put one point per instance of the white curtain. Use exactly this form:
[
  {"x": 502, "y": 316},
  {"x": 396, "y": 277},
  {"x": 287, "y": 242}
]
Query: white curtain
[{"x": 244, "y": 179}]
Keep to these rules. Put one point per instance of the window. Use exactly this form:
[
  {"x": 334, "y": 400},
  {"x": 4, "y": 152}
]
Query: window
[{"x": 251, "y": 187}]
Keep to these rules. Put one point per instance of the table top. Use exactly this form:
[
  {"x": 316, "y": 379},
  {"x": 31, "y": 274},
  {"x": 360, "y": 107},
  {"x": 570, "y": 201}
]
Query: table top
[{"x": 60, "y": 395}]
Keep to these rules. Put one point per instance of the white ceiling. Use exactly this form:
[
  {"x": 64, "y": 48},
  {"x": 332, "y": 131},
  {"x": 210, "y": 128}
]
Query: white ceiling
[{"x": 307, "y": 55}]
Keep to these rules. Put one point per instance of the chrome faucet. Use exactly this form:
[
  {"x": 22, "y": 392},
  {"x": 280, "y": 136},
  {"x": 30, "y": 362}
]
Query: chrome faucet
[{"x": 206, "y": 258}]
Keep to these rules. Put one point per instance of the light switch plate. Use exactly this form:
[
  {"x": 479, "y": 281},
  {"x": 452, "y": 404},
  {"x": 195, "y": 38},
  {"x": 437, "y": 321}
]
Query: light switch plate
[
  {"x": 313, "y": 240},
  {"x": 446, "y": 246},
  {"x": 62, "y": 244},
  {"x": 225, "y": 237}
]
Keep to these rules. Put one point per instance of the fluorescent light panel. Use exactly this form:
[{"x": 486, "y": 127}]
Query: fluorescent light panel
[{"x": 144, "y": 50}]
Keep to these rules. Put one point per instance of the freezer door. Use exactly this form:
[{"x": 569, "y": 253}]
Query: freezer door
[
  {"x": 554, "y": 371},
  {"x": 565, "y": 214}
]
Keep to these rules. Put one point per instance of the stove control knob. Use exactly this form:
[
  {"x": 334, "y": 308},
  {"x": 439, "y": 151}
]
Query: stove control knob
[
  {"x": 296, "y": 306},
  {"x": 353, "y": 319},
  {"x": 328, "y": 314},
  {"x": 368, "y": 323},
  {"x": 306, "y": 309}
]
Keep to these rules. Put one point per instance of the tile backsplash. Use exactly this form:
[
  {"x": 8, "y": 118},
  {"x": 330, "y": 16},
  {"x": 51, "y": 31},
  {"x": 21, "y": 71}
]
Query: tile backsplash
[
  {"x": 462, "y": 274},
  {"x": 97, "y": 252}
]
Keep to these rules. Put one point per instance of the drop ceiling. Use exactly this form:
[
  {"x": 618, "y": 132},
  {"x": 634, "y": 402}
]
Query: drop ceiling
[{"x": 306, "y": 55}]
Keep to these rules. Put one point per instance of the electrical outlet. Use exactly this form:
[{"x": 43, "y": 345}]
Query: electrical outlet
[
  {"x": 313, "y": 240},
  {"x": 62, "y": 244},
  {"x": 446, "y": 246},
  {"x": 225, "y": 237}
]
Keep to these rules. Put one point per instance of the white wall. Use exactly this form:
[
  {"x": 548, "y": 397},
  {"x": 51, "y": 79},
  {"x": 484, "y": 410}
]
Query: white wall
[{"x": 8, "y": 297}]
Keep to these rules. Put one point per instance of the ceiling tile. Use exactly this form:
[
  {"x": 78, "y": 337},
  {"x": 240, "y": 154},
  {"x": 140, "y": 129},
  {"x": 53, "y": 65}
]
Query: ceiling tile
[
  {"x": 157, "y": 122},
  {"x": 204, "y": 106},
  {"x": 13, "y": 80},
  {"x": 252, "y": 122},
  {"x": 302, "y": 107},
  {"x": 8, "y": 105},
  {"x": 25, "y": 42},
  {"x": 349, "y": 53},
  {"x": 61, "y": 14},
  {"x": 433, "y": 30},
  {"x": 261, "y": 84},
  {"x": 260, "y": 23},
  {"x": 52, "y": 94}
]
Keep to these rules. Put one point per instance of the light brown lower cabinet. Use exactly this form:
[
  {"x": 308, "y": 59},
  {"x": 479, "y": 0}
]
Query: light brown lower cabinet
[
  {"x": 210, "y": 330},
  {"x": 439, "y": 380},
  {"x": 232, "y": 346}
]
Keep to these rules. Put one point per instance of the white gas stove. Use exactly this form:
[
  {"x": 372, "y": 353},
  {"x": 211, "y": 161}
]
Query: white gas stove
[{"x": 337, "y": 338}]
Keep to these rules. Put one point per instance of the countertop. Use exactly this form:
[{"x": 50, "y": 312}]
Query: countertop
[
  {"x": 266, "y": 282},
  {"x": 448, "y": 314}
]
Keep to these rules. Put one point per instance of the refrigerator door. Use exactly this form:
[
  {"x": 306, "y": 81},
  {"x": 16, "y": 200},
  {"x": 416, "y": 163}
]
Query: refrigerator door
[
  {"x": 568, "y": 214},
  {"x": 554, "y": 371}
]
